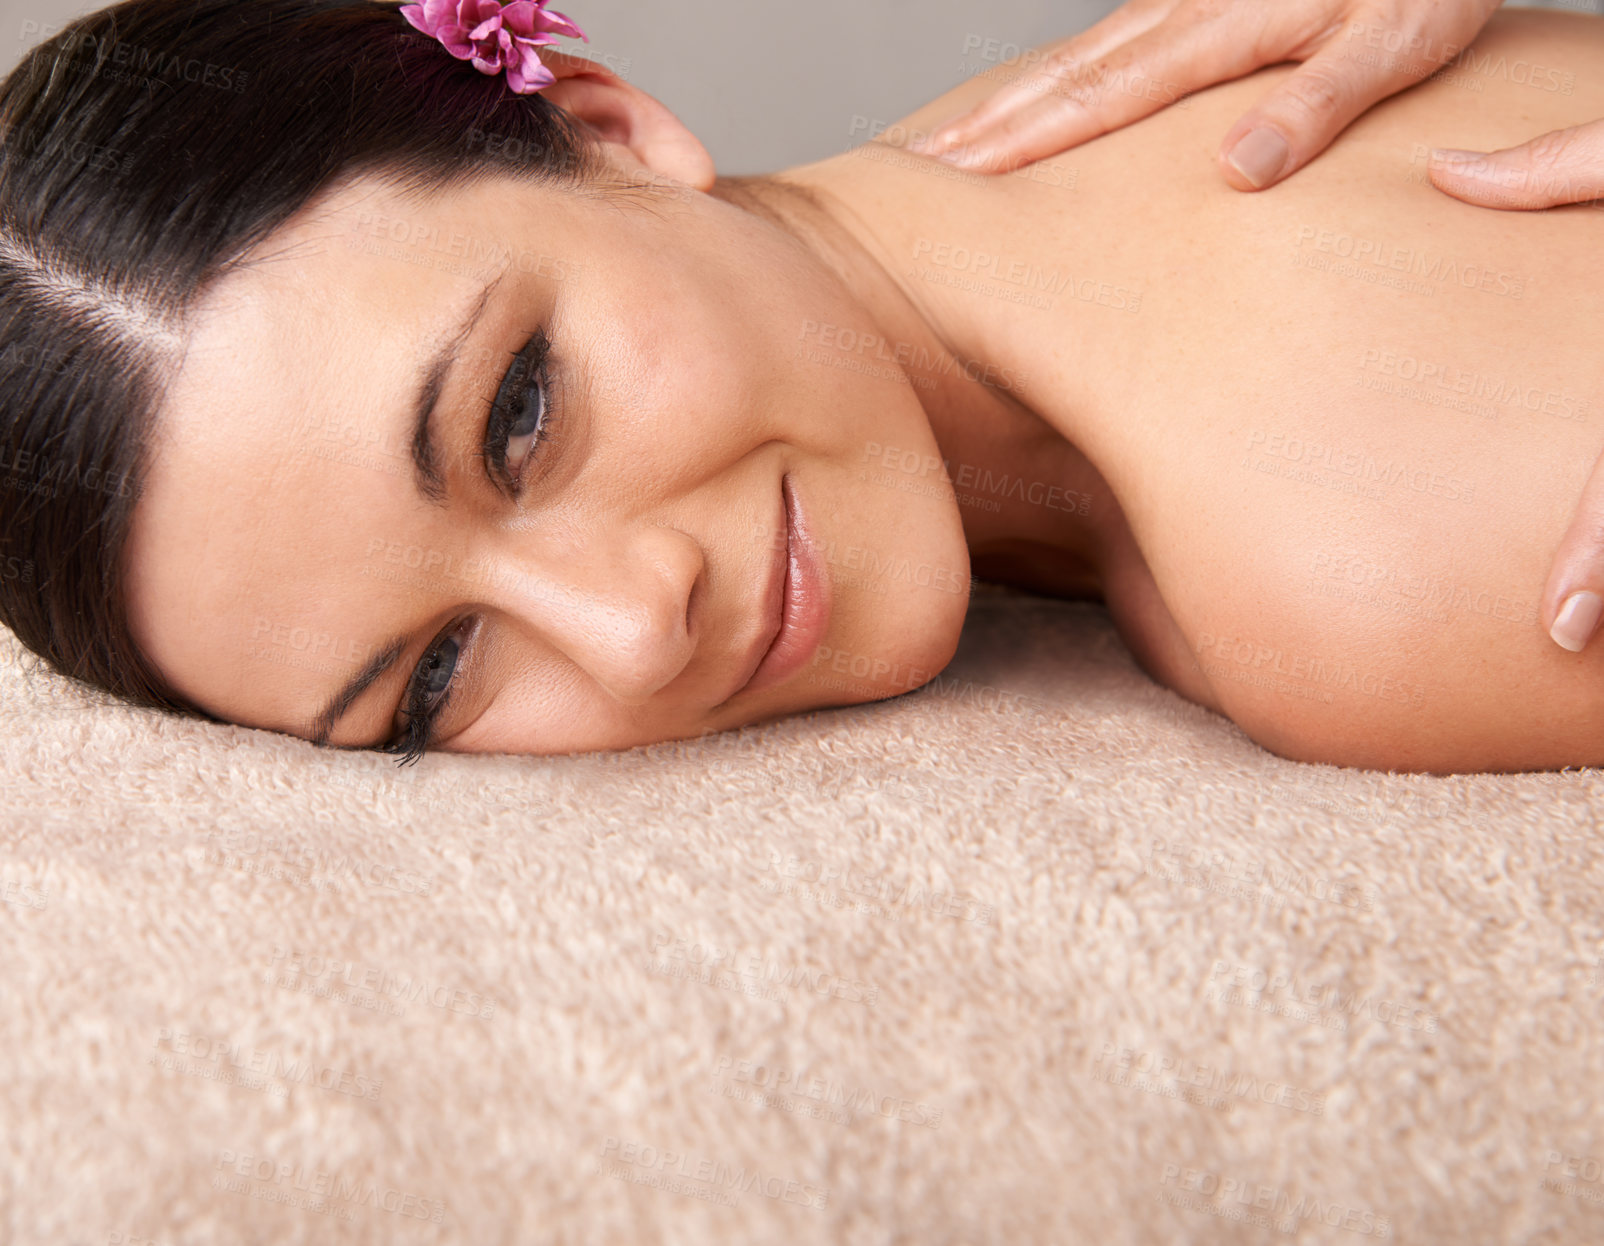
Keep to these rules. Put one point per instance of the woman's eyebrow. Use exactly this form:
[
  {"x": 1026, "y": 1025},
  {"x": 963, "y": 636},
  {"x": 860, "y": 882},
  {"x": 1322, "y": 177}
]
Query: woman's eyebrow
[{"x": 426, "y": 477}]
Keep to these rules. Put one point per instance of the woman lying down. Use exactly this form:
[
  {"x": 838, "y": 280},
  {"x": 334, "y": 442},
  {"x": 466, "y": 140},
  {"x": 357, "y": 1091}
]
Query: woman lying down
[{"x": 399, "y": 388}]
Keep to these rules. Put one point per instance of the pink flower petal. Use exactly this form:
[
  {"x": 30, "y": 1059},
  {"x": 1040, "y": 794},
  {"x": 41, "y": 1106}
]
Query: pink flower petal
[
  {"x": 438, "y": 18},
  {"x": 520, "y": 16},
  {"x": 496, "y": 37},
  {"x": 532, "y": 67},
  {"x": 560, "y": 24},
  {"x": 455, "y": 44},
  {"x": 528, "y": 19},
  {"x": 414, "y": 14},
  {"x": 440, "y": 13},
  {"x": 530, "y": 79}
]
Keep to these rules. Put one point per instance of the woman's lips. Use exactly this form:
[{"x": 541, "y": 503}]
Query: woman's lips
[{"x": 804, "y": 601}]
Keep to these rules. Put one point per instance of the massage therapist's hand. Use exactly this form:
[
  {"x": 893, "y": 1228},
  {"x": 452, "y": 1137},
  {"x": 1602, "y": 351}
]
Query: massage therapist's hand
[
  {"x": 1149, "y": 53},
  {"x": 1564, "y": 166}
]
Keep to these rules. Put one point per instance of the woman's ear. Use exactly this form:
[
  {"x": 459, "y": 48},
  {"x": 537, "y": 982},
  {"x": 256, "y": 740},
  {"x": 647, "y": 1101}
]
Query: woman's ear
[{"x": 627, "y": 116}]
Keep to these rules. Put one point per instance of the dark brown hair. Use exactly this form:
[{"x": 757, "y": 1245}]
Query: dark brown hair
[{"x": 143, "y": 149}]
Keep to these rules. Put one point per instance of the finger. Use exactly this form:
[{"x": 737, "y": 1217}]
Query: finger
[
  {"x": 1119, "y": 27},
  {"x": 1562, "y": 166},
  {"x": 1075, "y": 103},
  {"x": 1297, "y": 120},
  {"x": 1575, "y": 589}
]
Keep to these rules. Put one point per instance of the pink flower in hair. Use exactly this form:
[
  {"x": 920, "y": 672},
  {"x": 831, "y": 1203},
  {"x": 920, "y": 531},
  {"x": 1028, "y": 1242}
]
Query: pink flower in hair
[{"x": 496, "y": 37}]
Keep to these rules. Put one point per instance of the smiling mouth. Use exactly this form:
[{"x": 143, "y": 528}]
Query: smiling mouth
[{"x": 799, "y": 603}]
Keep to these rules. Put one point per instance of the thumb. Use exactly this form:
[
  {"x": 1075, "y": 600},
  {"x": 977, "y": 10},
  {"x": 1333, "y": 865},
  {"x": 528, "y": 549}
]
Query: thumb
[
  {"x": 1562, "y": 166},
  {"x": 1573, "y": 599},
  {"x": 1297, "y": 120}
]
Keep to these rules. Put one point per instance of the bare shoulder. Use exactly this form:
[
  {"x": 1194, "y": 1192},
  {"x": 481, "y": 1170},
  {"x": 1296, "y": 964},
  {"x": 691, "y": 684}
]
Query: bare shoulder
[{"x": 1354, "y": 653}]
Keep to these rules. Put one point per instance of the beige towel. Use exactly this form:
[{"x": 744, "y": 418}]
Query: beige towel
[{"x": 1041, "y": 953}]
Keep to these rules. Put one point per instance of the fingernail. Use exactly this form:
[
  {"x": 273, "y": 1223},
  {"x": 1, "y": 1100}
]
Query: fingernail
[
  {"x": 1578, "y": 619},
  {"x": 1259, "y": 155},
  {"x": 924, "y": 142}
]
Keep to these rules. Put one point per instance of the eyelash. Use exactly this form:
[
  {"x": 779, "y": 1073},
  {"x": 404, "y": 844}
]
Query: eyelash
[
  {"x": 414, "y": 739},
  {"x": 529, "y": 363}
]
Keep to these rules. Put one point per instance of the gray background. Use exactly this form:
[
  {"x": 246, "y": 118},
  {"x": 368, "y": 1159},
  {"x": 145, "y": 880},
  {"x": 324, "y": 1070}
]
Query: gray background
[{"x": 765, "y": 83}]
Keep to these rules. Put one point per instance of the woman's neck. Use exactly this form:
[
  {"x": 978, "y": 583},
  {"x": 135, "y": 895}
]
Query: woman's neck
[{"x": 1033, "y": 508}]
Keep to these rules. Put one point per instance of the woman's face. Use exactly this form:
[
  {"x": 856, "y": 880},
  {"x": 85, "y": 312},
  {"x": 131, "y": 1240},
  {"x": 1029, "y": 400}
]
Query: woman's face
[{"x": 611, "y": 571}]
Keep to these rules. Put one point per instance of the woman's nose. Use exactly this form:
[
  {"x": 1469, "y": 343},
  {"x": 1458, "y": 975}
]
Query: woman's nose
[{"x": 616, "y": 603}]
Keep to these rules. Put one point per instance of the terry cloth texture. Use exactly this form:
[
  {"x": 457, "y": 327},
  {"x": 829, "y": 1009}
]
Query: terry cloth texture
[{"x": 1041, "y": 953}]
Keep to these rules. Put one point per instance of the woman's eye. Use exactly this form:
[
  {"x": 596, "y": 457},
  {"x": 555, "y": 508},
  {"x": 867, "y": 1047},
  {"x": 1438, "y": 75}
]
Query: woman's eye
[
  {"x": 434, "y": 674},
  {"x": 528, "y": 427},
  {"x": 427, "y": 693},
  {"x": 521, "y": 414}
]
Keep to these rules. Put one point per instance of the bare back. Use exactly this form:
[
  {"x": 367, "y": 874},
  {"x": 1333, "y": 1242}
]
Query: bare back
[{"x": 1346, "y": 420}]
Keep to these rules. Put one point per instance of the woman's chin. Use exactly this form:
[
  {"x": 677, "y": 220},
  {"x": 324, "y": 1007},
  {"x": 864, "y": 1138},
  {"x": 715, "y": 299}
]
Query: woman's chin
[{"x": 896, "y": 661}]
